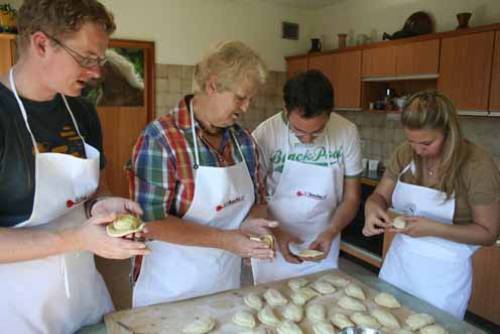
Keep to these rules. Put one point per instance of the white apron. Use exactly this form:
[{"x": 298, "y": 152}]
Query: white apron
[
  {"x": 436, "y": 270},
  {"x": 59, "y": 293},
  {"x": 304, "y": 201},
  {"x": 222, "y": 199}
]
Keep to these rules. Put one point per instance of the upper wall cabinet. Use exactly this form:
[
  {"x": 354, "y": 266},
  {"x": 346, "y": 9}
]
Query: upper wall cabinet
[
  {"x": 324, "y": 63},
  {"x": 418, "y": 58},
  {"x": 495, "y": 77},
  {"x": 379, "y": 62},
  {"x": 7, "y": 51},
  {"x": 406, "y": 60},
  {"x": 295, "y": 64},
  {"x": 346, "y": 68},
  {"x": 465, "y": 69}
]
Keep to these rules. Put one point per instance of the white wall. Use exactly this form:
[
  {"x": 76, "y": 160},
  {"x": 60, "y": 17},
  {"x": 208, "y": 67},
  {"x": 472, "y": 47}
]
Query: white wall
[
  {"x": 373, "y": 17},
  {"x": 184, "y": 29}
]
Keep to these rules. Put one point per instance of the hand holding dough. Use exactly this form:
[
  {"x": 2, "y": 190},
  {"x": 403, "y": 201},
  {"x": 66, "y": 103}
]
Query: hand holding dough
[
  {"x": 244, "y": 319},
  {"x": 355, "y": 291},
  {"x": 341, "y": 320},
  {"x": 387, "y": 300},
  {"x": 309, "y": 254},
  {"x": 399, "y": 222},
  {"x": 267, "y": 316},
  {"x": 386, "y": 318},
  {"x": 288, "y": 327},
  {"x": 200, "y": 326},
  {"x": 253, "y": 300},
  {"x": 274, "y": 297},
  {"x": 316, "y": 312},
  {"x": 293, "y": 312},
  {"x": 352, "y": 304},
  {"x": 419, "y": 320},
  {"x": 323, "y": 287}
]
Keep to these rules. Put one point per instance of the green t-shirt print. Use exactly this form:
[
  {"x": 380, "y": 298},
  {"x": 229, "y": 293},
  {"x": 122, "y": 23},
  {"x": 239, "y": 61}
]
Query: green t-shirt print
[{"x": 314, "y": 156}]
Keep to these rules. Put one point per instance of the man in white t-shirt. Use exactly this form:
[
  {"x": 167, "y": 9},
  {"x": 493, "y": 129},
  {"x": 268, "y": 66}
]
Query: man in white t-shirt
[{"x": 312, "y": 163}]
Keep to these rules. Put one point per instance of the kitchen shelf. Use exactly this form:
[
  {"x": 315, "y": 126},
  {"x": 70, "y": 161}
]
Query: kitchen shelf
[{"x": 429, "y": 76}]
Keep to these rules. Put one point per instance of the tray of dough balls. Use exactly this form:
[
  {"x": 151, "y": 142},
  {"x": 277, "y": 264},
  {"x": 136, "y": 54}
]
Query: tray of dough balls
[{"x": 323, "y": 303}]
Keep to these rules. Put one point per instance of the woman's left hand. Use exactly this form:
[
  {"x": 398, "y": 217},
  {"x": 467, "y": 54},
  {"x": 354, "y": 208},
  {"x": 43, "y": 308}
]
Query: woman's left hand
[{"x": 417, "y": 227}]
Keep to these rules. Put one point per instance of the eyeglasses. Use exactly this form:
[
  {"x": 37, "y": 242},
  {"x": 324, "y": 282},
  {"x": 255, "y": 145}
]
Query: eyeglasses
[
  {"x": 300, "y": 133},
  {"x": 85, "y": 62}
]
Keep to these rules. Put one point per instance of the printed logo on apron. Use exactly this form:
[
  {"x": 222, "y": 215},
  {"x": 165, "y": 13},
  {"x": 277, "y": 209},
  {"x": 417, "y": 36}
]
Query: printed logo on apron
[{"x": 226, "y": 204}]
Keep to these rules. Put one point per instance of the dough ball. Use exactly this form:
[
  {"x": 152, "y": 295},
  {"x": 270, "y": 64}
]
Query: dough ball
[
  {"x": 200, "y": 326},
  {"x": 274, "y": 297},
  {"x": 387, "y": 300}
]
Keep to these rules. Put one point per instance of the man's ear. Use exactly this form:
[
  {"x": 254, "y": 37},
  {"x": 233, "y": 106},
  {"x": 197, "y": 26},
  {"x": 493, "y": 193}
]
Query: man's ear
[
  {"x": 211, "y": 85},
  {"x": 39, "y": 42}
]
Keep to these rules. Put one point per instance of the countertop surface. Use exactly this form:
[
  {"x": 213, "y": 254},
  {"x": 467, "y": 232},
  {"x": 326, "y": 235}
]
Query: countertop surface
[{"x": 372, "y": 282}]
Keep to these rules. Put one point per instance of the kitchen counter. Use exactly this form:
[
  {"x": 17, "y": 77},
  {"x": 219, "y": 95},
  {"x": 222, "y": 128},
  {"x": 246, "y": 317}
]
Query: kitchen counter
[{"x": 224, "y": 304}]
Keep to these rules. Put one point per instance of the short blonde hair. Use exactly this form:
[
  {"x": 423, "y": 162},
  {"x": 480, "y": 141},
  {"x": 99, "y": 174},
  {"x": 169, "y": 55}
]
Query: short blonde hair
[
  {"x": 232, "y": 62},
  {"x": 431, "y": 110}
]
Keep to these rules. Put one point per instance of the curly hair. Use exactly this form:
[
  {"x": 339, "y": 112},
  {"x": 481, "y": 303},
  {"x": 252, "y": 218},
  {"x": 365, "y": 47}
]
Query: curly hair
[
  {"x": 60, "y": 17},
  {"x": 231, "y": 62}
]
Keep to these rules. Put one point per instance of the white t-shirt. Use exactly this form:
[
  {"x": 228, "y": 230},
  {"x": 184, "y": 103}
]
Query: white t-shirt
[{"x": 340, "y": 137}]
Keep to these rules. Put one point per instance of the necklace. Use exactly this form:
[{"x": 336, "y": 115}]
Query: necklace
[{"x": 432, "y": 169}]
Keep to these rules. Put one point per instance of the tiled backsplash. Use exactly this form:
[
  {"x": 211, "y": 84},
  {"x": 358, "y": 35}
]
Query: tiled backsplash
[
  {"x": 175, "y": 81},
  {"x": 380, "y": 132}
]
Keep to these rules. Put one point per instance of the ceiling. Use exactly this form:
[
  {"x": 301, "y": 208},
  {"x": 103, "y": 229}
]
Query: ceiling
[{"x": 306, "y": 4}]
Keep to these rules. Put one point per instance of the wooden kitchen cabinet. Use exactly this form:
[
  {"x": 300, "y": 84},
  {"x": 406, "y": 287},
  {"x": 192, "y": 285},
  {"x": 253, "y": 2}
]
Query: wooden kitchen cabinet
[
  {"x": 465, "y": 69},
  {"x": 7, "y": 51},
  {"x": 495, "y": 77},
  {"x": 323, "y": 63},
  {"x": 417, "y": 58},
  {"x": 346, "y": 68},
  {"x": 379, "y": 62},
  {"x": 485, "y": 300},
  {"x": 295, "y": 65}
]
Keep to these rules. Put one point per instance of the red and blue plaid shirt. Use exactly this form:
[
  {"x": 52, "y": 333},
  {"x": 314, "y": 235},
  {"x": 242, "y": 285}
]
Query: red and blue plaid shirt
[{"x": 162, "y": 174}]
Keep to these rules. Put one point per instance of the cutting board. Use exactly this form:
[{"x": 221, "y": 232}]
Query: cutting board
[{"x": 172, "y": 317}]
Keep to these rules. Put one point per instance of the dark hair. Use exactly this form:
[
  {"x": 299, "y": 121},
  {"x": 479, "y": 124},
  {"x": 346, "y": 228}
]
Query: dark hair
[
  {"x": 311, "y": 92},
  {"x": 60, "y": 17}
]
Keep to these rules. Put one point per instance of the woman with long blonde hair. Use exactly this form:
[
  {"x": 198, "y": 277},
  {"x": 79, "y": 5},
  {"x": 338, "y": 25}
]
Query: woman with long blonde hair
[{"x": 447, "y": 192}]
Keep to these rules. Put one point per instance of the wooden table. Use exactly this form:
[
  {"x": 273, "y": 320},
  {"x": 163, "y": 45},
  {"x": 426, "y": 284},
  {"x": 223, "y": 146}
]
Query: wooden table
[{"x": 172, "y": 317}]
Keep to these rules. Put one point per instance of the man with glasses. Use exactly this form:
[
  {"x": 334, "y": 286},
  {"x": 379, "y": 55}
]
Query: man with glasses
[
  {"x": 50, "y": 161},
  {"x": 311, "y": 158}
]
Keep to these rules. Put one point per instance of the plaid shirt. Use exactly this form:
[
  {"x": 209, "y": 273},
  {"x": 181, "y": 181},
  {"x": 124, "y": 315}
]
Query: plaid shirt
[{"x": 161, "y": 178}]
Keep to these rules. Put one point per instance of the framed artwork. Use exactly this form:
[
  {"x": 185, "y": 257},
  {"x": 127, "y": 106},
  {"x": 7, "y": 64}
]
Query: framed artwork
[{"x": 127, "y": 78}]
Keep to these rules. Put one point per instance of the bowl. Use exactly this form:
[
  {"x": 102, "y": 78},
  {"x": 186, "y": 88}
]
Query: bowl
[{"x": 359, "y": 330}]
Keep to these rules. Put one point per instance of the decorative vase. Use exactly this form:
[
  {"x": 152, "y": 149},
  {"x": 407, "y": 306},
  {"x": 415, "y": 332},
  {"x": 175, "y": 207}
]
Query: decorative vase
[
  {"x": 315, "y": 45},
  {"x": 463, "y": 20},
  {"x": 342, "y": 40}
]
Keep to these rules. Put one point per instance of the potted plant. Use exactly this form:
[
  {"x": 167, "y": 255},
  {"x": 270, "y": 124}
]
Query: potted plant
[{"x": 7, "y": 18}]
